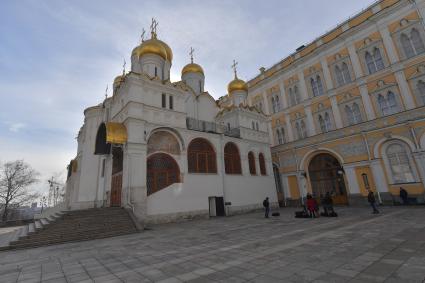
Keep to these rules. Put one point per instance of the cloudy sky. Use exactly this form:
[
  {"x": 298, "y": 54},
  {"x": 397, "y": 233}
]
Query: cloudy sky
[{"x": 56, "y": 57}]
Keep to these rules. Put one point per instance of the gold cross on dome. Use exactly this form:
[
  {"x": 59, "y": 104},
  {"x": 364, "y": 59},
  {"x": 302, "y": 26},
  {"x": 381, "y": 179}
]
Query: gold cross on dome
[
  {"x": 123, "y": 67},
  {"x": 234, "y": 65},
  {"x": 154, "y": 25},
  {"x": 142, "y": 36},
  {"x": 191, "y": 54},
  {"x": 106, "y": 92}
]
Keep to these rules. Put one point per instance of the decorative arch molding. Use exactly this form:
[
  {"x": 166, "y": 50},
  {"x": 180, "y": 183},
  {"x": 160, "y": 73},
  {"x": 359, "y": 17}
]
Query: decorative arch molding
[
  {"x": 378, "y": 145},
  {"x": 172, "y": 131},
  {"x": 303, "y": 165},
  {"x": 163, "y": 141}
]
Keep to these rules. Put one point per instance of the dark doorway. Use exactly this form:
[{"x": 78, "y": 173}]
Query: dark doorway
[
  {"x": 327, "y": 175},
  {"x": 162, "y": 171},
  {"x": 219, "y": 206},
  {"x": 116, "y": 183},
  {"x": 101, "y": 147}
]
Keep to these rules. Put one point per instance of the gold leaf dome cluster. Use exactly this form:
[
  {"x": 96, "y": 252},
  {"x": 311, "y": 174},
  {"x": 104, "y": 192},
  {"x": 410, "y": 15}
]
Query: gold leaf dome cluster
[
  {"x": 192, "y": 68},
  {"x": 236, "y": 84},
  {"x": 154, "y": 46},
  {"x": 118, "y": 80}
]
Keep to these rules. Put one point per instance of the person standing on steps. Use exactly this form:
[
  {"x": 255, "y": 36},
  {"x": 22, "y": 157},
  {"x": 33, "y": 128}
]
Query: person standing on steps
[
  {"x": 266, "y": 205},
  {"x": 371, "y": 199}
]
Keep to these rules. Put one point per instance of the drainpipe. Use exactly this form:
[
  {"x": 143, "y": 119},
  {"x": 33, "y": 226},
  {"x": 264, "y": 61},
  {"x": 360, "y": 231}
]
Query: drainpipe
[
  {"x": 222, "y": 173},
  {"x": 370, "y": 159}
]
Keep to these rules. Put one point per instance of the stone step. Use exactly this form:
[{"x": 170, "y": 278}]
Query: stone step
[
  {"x": 31, "y": 228},
  {"x": 38, "y": 224},
  {"x": 34, "y": 244}
]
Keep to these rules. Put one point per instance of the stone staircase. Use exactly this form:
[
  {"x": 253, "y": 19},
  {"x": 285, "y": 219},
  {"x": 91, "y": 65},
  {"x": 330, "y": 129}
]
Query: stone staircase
[{"x": 72, "y": 226}]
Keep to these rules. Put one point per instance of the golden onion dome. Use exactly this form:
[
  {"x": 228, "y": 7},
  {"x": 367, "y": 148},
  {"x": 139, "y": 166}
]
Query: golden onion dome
[
  {"x": 118, "y": 80},
  {"x": 150, "y": 46},
  {"x": 237, "y": 84},
  {"x": 167, "y": 49},
  {"x": 192, "y": 68}
]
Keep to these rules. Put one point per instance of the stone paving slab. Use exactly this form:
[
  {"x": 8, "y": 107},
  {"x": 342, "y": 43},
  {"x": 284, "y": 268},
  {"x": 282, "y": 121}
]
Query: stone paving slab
[{"x": 355, "y": 247}]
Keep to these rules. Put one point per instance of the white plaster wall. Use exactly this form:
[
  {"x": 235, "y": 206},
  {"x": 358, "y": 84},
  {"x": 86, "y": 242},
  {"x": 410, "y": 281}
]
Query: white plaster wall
[
  {"x": 248, "y": 190},
  {"x": 191, "y": 195},
  {"x": 207, "y": 109}
]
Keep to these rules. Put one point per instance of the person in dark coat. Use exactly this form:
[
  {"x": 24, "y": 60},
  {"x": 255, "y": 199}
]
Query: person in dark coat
[
  {"x": 371, "y": 199},
  {"x": 266, "y": 205},
  {"x": 328, "y": 204},
  {"x": 404, "y": 196}
]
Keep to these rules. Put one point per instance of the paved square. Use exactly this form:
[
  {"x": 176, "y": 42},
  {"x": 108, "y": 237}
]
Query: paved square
[{"x": 355, "y": 247}]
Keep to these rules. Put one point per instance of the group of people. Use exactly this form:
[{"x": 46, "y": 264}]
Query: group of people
[{"x": 312, "y": 206}]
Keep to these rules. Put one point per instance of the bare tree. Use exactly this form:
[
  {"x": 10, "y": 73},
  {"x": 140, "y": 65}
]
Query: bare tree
[{"x": 15, "y": 180}]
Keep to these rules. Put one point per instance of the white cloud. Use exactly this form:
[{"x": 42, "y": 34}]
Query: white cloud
[{"x": 16, "y": 127}]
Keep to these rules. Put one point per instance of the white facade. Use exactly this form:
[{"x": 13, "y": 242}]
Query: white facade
[{"x": 158, "y": 121}]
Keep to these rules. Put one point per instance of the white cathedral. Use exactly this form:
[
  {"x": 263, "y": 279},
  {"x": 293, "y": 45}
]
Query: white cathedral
[{"x": 169, "y": 151}]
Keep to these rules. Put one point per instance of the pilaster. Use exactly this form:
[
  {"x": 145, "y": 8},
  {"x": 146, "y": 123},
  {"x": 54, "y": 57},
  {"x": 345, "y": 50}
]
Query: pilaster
[
  {"x": 336, "y": 113},
  {"x": 283, "y": 95},
  {"x": 358, "y": 72},
  {"x": 405, "y": 92},
  {"x": 310, "y": 122},
  {"x": 367, "y": 102},
  {"x": 389, "y": 44},
  {"x": 303, "y": 87},
  {"x": 326, "y": 74},
  {"x": 289, "y": 127}
]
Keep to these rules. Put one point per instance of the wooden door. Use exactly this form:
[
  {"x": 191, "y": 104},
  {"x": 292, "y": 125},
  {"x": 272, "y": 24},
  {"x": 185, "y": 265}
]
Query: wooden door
[{"x": 116, "y": 188}]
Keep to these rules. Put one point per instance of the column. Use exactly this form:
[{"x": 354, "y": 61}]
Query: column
[
  {"x": 389, "y": 44},
  {"x": 289, "y": 127},
  {"x": 283, "y": 97},
  {"x": 285, "y": 184},
  {"x": 327, "y": 74},
  {"x": 310, "y": 122},
  {"x": 405, "y": 93},
  {"x": 367, "y": 102},
  {"x": 266, "y": 103},
  {"x": 270, "y": 129},
  {"x": 303, "y": 87},
  {"x": 353, "y": 185},
  {"x": 421, "y": 8},
  {"x": 355, "y": 61},
  {"x": 420, "y": 161},
  {"x": 379, "y": 177},
  {"x": 336, "y": 113}
]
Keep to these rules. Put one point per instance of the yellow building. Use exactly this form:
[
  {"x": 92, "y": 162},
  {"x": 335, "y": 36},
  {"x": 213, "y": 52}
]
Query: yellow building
[{"x": 347, "y": 110}]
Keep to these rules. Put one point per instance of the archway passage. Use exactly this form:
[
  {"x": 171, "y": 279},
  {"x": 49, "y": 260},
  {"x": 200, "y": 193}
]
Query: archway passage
[
  {"x": 116, "y": 182},
  {"x": 101, "y": 146},
  {"x": 162, "y": 171},
  {"x": 326, "y": 175}
]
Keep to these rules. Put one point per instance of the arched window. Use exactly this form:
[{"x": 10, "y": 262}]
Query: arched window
[
  {"x": 407, "y": 46},
  {"x": 253, "y": 125},
  {"x": 346, "y": 73},
  {"x": 251, "y": 163},
  {"x": 273, "y": 105},
  {"x": 399, "y": 162},
  {"x": 282, "y": 134},
  {"x": 328, "y": 123},
  {"x": 164, "y": 100},
  {"x": 256, "y": 126},
  {"x": 350, "y": 115},
  {"x": 297, "y": 95},
  {"x": 262, "y": 162},
  {"x": 277, "y": 103},
  {"x": 314, "y": 87},
  {"x": 201, "y": 157},
  {"x": 370, "y": 64},
  {"x": 299, "y": 131},
  {"x": 357, "y": 115},
  {"x": 383, "y": 105},
  {"x": 339, "y": 77},
  {"x": 232, "y": 159},
  {"x": 303, "y": 129},
  {"x": 162, "y": 171},
  {"x": 279, "y": 138},
  {"x": 392, "y": 103},
  {"x": 319, "y": 85},
  {"x": 322, "y": 124},
  {"x": 292, "y": 97},
  {"x": 379, "y": 63},
  {"x": 417, "y": 41},
  {"x": 421, "y": 90}
]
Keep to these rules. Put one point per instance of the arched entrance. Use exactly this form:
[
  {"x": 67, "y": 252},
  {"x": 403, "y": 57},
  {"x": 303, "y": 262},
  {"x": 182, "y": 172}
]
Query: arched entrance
[
  {"x": 162, "y": 171},
  {"x": 327, "y": 175},
  {"x": 116, "y": 182}
]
